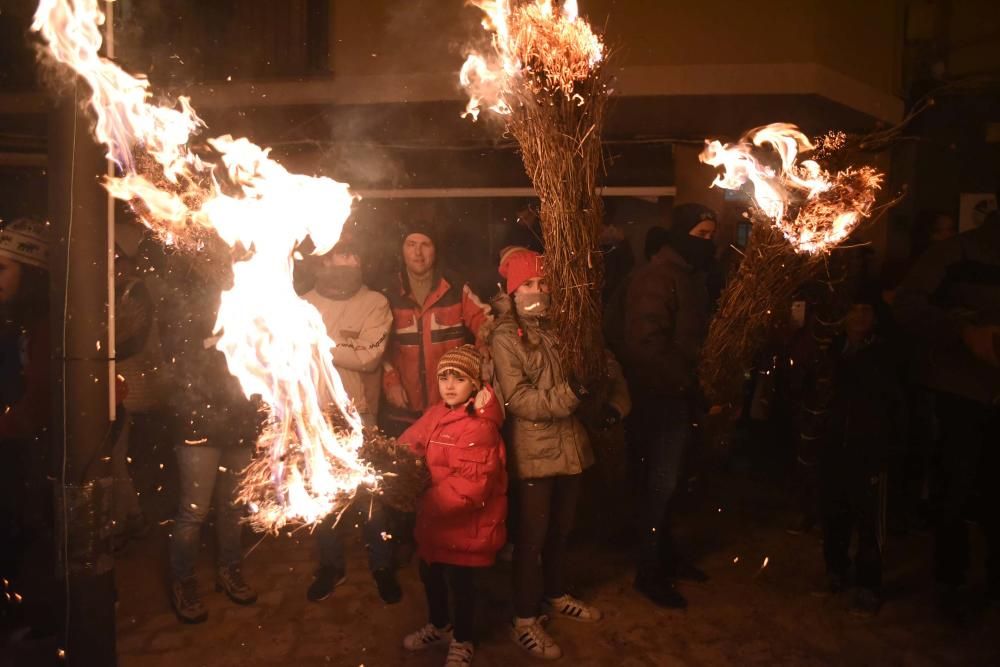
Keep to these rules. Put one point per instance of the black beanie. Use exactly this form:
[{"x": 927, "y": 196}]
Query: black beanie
[
  {"x": 656, "y": 238},
  {"x": 686, "y": 217},
  {"x": 425, "y": 227}
]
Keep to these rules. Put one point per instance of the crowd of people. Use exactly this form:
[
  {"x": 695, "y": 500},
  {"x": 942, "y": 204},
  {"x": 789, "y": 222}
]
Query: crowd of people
[{"x": 895, "y": 402}]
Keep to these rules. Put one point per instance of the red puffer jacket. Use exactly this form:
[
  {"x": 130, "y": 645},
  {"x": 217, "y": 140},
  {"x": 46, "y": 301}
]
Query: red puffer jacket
[{"x": 461, "y": 518}]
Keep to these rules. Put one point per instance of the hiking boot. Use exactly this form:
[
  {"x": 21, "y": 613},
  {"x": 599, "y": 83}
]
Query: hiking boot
[
  {"x": 459, "y": 654},
  {"x": 185, "y": 601},
  {"x": 229, "y": 580},
  {"x": 327, "y": 578},
  {"x": 570, "y": 607},
  {"x": 426, "y": 637},
  {"x": 835, "y": 584},
  {"x": 529, "y": 634},
  {"x": 685, "y": 571},
  {"x": 866, "y": 603},
  {"x": 388, "y": 586},
  {"x": 660, "y": 591},
  {"x": 136, "y": 526}
]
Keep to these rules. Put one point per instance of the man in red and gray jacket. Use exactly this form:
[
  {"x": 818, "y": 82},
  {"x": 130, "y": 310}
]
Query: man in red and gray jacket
[{"x": 433, "y": 312}]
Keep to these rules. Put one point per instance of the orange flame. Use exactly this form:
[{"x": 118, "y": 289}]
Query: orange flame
[
  {"x": 275, "y": 343},
  {"x": 532, "y": 45},
  {"x": 828, "y": 207}
]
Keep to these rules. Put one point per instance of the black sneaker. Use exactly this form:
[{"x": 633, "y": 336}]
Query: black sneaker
[
  {"x": 660, "y": 591},
  {"x": 186, "y": 603},
  {"x": 835, "y": 584},
  {"x": 229, "y": 579},
  {"x": 993, "y": 593},
  {"x": 686, "y": 571},
  {"x": 866, "y": 602},
  {"x": 388, "y": 586},
  {"x": 327, "y": 578}
]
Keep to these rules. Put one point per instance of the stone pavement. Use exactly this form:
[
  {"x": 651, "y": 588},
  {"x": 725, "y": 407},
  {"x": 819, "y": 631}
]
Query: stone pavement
[{"x": 746, "y": 615}]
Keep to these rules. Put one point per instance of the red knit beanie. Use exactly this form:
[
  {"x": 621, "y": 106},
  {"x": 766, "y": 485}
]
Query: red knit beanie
[{"x": 519, "y": 265}]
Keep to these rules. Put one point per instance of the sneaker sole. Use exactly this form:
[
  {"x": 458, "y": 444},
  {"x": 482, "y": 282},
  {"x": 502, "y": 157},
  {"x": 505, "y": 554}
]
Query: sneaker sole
[
  {"x": 190, "y": 620},
  {"x": 241, "y": 601},
  {"x": 336, "y": 585},
  {"x": 424, "y": 647},
  {"x": 521, "y": 646}
]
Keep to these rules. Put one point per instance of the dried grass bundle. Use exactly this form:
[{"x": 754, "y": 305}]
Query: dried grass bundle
[
  {"x": 404, "y": 475},
  {"x": 546, "y": 77},
  {"x": 755, "y": 301},
  {"x": 800, "y": 214}
]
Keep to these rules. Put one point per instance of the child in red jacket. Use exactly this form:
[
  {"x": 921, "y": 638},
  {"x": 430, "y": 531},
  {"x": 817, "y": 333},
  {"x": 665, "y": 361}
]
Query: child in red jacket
[{"x": 461, "y": 518}]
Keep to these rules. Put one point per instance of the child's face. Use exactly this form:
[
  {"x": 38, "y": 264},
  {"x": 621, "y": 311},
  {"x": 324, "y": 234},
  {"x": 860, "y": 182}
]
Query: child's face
[
  {"x": 455, "y": 389},
  {"x": 860, "y": 320}
]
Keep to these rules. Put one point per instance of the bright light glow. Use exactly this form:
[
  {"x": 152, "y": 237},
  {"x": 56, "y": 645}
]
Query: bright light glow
[{"x": 275, "y": 343}]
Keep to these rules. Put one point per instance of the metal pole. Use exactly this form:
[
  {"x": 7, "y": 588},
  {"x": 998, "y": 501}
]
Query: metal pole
[
  {"x": 109, "y": 51},
  {"x": 81, "y": 418}
]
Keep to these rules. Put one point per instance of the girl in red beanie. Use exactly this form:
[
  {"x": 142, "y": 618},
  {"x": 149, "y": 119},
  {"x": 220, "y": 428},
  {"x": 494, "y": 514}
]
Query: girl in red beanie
[
  {"x": 549, "y": 449},
  {"x": 461, "y": 517}
]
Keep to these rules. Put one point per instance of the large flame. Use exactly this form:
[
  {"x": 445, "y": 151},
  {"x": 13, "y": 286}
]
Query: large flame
[
  {"x": 531, "y": 43},
  {"x": 275, "y": 343},
  {"x": 815, "y": 210}
]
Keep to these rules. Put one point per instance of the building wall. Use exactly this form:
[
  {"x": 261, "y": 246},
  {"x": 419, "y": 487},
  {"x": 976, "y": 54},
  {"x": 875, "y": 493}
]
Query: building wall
[{"x": 861, "y": 40}]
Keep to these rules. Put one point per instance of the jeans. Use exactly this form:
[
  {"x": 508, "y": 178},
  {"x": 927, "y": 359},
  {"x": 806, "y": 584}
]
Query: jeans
[
  {"x": 438, "y": 578},
  {"x": 546, "y": 510},
  {"x": 203, "y": 483},
  {"x": 374, "y": 517},
  {"x": 668, "y": 431}
]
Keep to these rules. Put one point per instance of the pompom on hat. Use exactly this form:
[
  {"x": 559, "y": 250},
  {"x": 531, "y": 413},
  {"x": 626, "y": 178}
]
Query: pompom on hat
[
  {"x": 25, "y": 241},
  {"x": 519, "y": 265}
]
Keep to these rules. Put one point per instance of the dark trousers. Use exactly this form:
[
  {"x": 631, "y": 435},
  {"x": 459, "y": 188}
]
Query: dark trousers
[
  {"x": 373, "y": 517},
  {"x": 970, "y": 463},
  {"x": 667, "y": 432},
  {"x": 545, "y": 517},
  {"x": 438, "y": 578},
  {"x": 852, "y": 499}
]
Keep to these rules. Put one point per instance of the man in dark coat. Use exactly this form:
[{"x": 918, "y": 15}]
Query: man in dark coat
[
  {"x": 666, "y": 320},
  {"x": 950, "y": 303}
]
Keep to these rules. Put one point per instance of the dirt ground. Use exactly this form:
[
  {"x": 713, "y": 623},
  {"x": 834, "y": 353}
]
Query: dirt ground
[{"x": 747, "y": 614}]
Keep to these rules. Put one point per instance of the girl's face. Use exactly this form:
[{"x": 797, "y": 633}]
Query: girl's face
[
  {"x": 10, "y": 279},
  {"x": 536, "y": 285},
  {"x": 455, "y": 389}
]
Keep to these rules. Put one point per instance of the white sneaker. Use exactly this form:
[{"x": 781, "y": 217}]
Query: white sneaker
[
  {"x": 459, "y": 654},
  {"x": 529, "y": 634},
  {"x": 426, "y": 637},
  {"x": 570, "y": 607}
]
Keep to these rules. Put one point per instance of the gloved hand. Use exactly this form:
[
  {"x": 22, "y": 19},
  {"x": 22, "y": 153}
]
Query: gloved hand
[
  {"x": 609, "y": 416},
  {"x": 581, "y": 390}
]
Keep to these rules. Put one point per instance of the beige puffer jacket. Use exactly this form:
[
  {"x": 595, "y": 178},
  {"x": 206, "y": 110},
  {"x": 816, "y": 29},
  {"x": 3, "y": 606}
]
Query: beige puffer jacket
[{"x": 544, "y": 437}]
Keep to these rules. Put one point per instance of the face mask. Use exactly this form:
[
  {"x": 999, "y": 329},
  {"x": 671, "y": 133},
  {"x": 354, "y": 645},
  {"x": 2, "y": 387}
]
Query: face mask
[
  {"x": 338, "y": 281},
  {"x": 696, "y": 251},
  {"x": 532, "y": 305}
]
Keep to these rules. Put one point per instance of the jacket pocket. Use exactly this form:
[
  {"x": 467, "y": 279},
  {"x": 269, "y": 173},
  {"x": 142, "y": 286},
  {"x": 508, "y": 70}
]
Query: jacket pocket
[
  {"x": 537, "y": 439},
  {"x": 472, "y": 461}
]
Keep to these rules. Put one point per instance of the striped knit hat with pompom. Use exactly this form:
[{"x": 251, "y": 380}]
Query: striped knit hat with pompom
[{"x": 465, "y": 360}]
